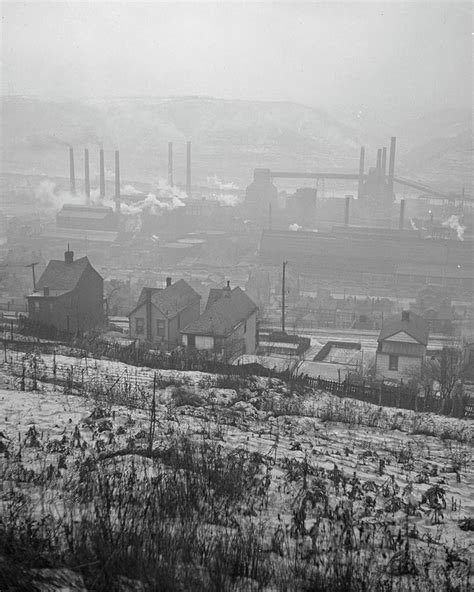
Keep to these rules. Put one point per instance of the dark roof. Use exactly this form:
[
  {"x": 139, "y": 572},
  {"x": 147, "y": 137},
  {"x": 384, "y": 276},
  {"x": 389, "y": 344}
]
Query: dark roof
[
  {"x": 170, "y": 300},
  {"x": 215, "y": 294},
  {"x": 415, "y": 326},
  {"x": 223, "y": 314},
  {"x": 61, "y": 276}
]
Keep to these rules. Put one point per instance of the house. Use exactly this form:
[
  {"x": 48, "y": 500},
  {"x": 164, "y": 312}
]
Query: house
[
  {"x": 227, "y": 327},
  {"x": 161, "y": 313},
  {"x": 69, "y": 295},
  {"x": 401, "y": 346}
]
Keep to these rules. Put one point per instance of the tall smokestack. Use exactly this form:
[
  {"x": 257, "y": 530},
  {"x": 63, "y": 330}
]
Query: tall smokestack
[
  {"x": 170, "y": 164},
  {"x": 379, "y": 168},
  {"x": 361, "y": 171},
  {"x": 117, "y": 181},
  {"x": 87, "y": 181},
  {"x": 402, "y": 214},
  {"x": 101, "y": 173},
  {"x": 346, "y": 211},
  {"x": 188, "y": 169},
  {"x": 72, "y": 175},
  {"x": 391, "y": 162},
  {"x": 384, "y": 162}
]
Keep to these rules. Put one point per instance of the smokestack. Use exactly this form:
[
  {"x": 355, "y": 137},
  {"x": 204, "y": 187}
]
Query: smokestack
[
  {"x": 72, "y": 175},
  {"x": 384, "y": 162},
  {"x": 168, "y": 282},
  {"x": 87, "y": 181},
  {"x": 170, "y": 164},
  {"x": 101, "y": 173},
  {"x": 117, "y": 181},
  {"x": 346, "y": 211},
  {"x": 402, "y": 214},
  {"x": 391, "y": 162},
  {"x": 379, "y": 168},
  {"x": 188, "y": 169},
  {"x": 361, "y": 171}
]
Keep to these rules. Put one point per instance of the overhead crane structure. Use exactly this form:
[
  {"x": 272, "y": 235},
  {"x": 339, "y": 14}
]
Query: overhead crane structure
[{"x": 380, "y": 180}]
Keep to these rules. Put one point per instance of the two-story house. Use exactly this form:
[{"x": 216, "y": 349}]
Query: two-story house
[
  {"x": 69, "y": 295},
  {"x": 227, "y": 327},
  {"x": 161, "y": 313},
  {"x": 401, "y": 346}
]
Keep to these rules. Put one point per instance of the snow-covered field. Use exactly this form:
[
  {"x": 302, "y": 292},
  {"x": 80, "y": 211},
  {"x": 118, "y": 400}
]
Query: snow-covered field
[{"x": 330, "y": 481}]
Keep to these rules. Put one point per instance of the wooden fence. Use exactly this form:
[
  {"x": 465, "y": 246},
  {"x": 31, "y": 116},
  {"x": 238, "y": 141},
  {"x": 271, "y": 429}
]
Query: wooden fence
[{"x": 379, "y": 394}]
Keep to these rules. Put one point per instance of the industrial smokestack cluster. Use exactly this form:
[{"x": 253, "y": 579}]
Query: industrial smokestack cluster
[{"x": 87, "y": 183}]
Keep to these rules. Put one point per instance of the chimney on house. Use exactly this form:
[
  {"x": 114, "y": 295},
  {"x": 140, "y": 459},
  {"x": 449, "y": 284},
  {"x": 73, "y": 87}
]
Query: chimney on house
[
  {"x": 46, "y": 291},
  {"x": 405, "y": 315},
  {"x": 69, "y": 256},
  {"x": 168, "y": 282},
  {"x": 101, "y": 173},
  {"x": 170, "y": 164},
  {"x": 117, "y": 182},
  {"x": 72, "y": 175},
  {"x": 87, "y": 181},
  {"x": 188, "y": 169}
]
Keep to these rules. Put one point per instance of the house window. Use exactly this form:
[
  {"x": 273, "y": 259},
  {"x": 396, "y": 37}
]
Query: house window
[
  {"x": 139, "y": 326},
  {"x": 393, "y": 362},
  {"x": 160, "y": 328},
  {"x": 36, "y": 306}
]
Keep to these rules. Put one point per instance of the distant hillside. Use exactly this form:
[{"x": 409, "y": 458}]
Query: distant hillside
[
  {"x": 230, "y": 138},
  {"x": 437, "y": 148}
]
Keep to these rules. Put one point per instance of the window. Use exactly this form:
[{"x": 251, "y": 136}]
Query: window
[
  {"x": 393, "y": 362},
  {"x": 160, "y": 328},
  {"x": 36, "y": 306},
  {"x": 139, "y": 326}
]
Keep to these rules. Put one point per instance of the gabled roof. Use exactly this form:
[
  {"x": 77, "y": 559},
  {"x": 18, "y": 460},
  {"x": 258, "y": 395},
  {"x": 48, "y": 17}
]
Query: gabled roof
[
  {"x": 415, "y": 326},
  {"x": 223, "y": 314},
  {"x": 170, "y": 300},
  {"x": 60, "y": 276}
]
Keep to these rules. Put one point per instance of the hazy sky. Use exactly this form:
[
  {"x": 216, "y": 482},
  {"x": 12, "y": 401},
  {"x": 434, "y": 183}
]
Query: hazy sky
[{"x": 397, "y": 56}]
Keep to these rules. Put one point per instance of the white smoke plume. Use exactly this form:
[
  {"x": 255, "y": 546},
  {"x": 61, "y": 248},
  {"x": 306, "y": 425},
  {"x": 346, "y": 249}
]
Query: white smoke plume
[
  {"x": 49, "y": 197},
  {"x": 294, "y": 227},
  {"x": 222, "y": 194},
  {"x": 129, "y": 190},
  {"x": 215, "y": 183},
  {"x": 453, "y": 222}
]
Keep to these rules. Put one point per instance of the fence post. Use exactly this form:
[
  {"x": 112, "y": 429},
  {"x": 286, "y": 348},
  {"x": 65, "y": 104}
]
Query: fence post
[{"x": 380, "y": 393}]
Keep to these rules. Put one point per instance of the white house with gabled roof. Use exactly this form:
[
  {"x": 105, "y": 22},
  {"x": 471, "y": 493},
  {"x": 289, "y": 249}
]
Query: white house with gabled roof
[{"x": 401, "y": 346}]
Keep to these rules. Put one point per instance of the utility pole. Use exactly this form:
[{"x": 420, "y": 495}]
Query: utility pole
[
  {"x": 283, "y": 290},
  {"x": 33, "y": 265}
]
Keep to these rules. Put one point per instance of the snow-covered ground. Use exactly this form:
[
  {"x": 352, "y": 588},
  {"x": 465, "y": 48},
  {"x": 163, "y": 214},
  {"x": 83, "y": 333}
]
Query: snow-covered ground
[{"x": 382, "y": 462}]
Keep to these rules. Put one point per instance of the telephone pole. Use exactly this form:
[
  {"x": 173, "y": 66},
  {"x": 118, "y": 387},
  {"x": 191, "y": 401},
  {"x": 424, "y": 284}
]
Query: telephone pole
[
  {"x": 283, "y": 290},
  {"x": 33, "y": 265}
]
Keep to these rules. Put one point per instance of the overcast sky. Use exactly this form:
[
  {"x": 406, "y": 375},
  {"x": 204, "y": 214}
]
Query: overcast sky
[{"x": 410, "y": 57}]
